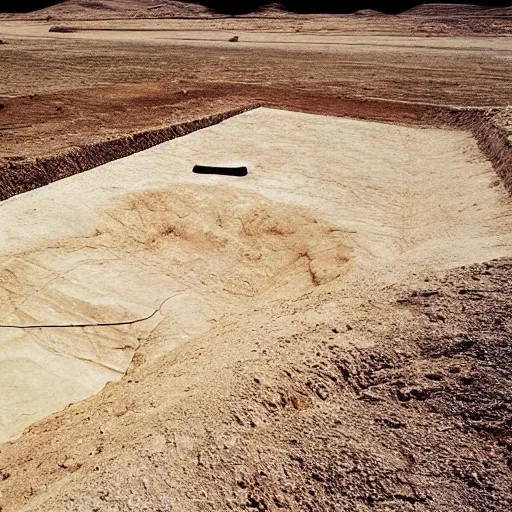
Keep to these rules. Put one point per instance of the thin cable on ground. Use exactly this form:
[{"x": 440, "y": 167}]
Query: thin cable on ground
[{"x": 94, "y": 324}]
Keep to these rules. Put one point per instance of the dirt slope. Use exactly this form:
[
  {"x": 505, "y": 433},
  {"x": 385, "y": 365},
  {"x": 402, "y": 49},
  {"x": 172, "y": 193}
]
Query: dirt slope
[
  {"x": 275, "y": 357},
  {"x": 286, "y": 410}
]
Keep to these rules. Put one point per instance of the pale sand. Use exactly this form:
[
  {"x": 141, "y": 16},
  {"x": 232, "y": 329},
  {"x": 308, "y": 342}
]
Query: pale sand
[{"x": 325, "y": 199}]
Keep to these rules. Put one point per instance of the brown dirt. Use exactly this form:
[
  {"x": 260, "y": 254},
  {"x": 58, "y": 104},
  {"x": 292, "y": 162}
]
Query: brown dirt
[
  {"x": 302, "y": 418},
  {"x": 17, "y": 177},
  {"x": 394, "y": 400},
  {"x": 47, "y": 124}
]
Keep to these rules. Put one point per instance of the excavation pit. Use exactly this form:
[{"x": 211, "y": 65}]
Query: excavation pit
[{"x": 136, "y": 256}]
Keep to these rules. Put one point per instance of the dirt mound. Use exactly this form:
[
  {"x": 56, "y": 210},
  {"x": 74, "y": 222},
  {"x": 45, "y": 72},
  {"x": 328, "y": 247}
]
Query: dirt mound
[
  {"x": 182, "y": 242},
  {"x": 415, "y": 419}
]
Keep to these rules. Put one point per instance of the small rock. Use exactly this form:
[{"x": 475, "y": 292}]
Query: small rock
[
  {"x": 74, "y": 467},
  {"x": 300, "y": 402},
  {"x": 369, "y": 397},
  {"x": 71, "y": 466},
  {"x": 434, "y": 376},
  {"x": 467, "y": 379},
  {"x": 428, "y": 293},
  {"x": 409, "y": 393},
  {"x": 390, "y": 422},
  {"x": 233, "y": 39},
  {"x": 4, "y": 475},
  {"x": 403, "y": 395},
  {"x": 121, "y": 411},
  {"x": 474, "y": 480},
  {"x": 322, "y": 393}
]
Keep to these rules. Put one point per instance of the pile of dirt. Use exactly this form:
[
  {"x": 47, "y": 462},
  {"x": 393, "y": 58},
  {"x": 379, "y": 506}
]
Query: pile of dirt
[
  {"x": 417, "y": 418},
  {"x": 368, "y": 12}
]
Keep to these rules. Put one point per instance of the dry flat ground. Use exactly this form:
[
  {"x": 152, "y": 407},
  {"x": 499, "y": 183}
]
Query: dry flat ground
[
  {"x": 332, "y": 332},
  {"x": 62, "y": 90}
]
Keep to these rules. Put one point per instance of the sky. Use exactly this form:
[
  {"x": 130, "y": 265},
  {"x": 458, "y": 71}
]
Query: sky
[{"x": 235, "y": 6}]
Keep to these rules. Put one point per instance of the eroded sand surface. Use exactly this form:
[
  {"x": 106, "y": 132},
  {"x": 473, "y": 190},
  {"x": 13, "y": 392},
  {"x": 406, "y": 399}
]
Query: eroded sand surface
[{"x": 142, "y": 245}]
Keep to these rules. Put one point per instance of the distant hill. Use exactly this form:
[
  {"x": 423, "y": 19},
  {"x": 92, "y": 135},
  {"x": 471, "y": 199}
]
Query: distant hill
[
  {"x": 368, "y": 12},
  {"x": 440, "y": 9},
  {"x": 83, "y": 9},
  {"x": 193, "y": 8}
]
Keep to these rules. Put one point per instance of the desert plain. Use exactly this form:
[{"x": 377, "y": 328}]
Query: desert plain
[{"x": 331, "y": 332}]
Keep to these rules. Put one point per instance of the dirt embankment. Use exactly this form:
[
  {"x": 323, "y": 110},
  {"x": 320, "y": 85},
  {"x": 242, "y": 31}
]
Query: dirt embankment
[
  {"x": 492, "y": 129},
  {"x": 302, "y": 418},
  {"x": 19, "y": 177}
]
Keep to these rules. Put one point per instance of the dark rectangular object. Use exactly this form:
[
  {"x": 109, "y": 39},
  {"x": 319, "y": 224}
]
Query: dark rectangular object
[{"x": 223, "y": 171}]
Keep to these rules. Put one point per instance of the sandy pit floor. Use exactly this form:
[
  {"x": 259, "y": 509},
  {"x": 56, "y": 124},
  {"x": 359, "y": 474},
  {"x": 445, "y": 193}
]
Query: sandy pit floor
[{"x": 93, "y": 266}]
